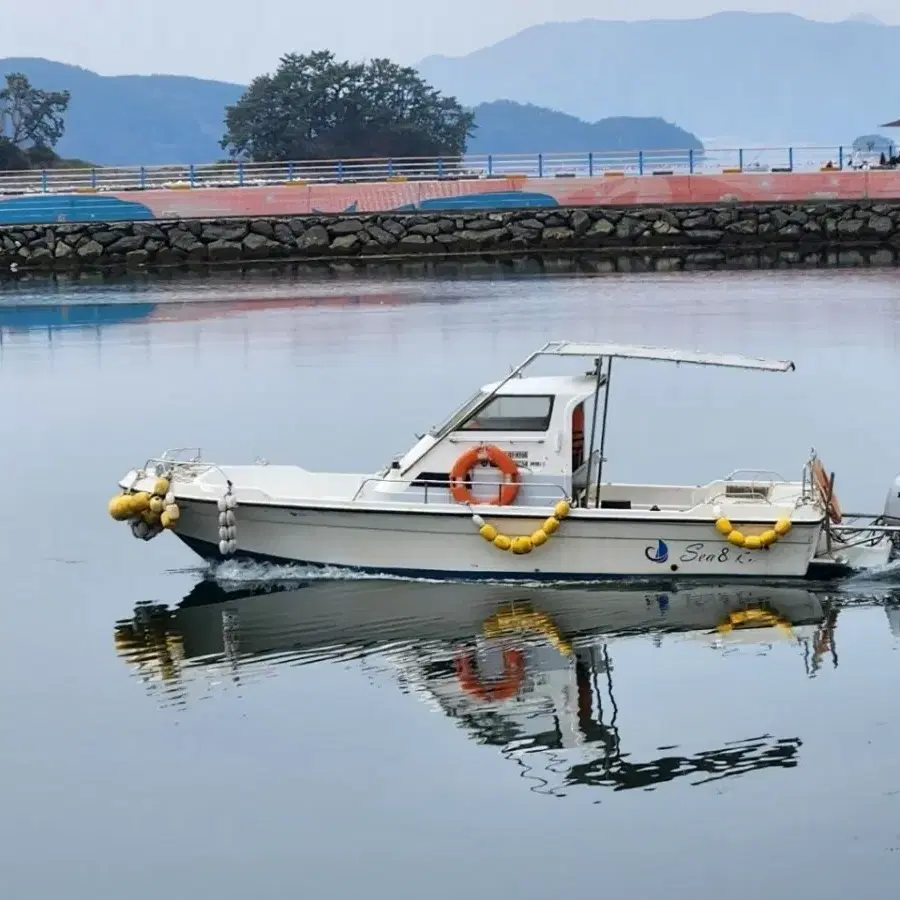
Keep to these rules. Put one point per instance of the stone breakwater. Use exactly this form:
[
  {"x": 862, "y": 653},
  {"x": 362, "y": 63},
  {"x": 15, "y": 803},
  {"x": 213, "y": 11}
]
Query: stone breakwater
[{"x": 742, "y": 235}]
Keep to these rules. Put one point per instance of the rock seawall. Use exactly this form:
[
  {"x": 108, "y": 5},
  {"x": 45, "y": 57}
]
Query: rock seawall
[{"x": 744, "y": 235}]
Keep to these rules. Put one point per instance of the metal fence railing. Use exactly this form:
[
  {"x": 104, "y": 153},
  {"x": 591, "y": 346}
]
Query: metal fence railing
[{"x": 484, "y": 166}]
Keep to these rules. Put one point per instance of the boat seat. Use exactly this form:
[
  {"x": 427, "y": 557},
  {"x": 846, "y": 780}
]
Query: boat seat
[{"x": 580, "y": 475}]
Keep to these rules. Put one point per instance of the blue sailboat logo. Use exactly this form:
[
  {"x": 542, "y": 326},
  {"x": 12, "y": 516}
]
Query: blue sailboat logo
[{"x": 657, "y": 554}]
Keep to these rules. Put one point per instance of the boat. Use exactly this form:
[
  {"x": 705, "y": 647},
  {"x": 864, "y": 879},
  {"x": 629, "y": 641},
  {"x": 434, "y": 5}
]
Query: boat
[
  {"x": 528, "y": 670},
  {"x": 510, "y": 487}
]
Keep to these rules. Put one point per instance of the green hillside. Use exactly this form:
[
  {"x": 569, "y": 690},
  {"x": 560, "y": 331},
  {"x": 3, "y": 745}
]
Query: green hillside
[{"x": 158, "y": 119}]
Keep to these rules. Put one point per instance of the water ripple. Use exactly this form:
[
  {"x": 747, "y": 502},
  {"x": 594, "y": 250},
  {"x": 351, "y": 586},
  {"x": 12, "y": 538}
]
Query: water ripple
[{"x": 528, "y": 671}]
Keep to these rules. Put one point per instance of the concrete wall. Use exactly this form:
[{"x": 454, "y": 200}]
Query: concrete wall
[{"x": 510, "y": 192}]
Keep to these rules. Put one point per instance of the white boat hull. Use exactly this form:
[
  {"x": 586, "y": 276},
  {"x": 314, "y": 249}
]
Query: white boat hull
[{"x": 444, "y": 544}]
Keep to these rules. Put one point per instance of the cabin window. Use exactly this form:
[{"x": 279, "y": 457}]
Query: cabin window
[{"x": 512, "y": 413}]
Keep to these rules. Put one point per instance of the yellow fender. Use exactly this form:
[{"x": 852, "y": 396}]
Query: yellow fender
[
  {"x": 151, "y": 508},
  {"x": 752, "y": 541},
  {"x": 524, "y": 543}
]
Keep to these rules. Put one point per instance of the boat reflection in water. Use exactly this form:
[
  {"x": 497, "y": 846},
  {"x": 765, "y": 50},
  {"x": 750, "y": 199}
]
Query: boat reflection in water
[{"x": 528, "y": 671}]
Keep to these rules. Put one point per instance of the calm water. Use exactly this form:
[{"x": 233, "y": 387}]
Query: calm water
[{"x": 255, "y": 732}]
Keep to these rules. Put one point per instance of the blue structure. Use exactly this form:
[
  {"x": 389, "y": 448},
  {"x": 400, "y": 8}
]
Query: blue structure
[
  {"x": 495, "y": 201},
  {"x": 45, "y": 208}
]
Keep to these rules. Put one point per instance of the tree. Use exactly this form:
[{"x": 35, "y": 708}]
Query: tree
[
  {"x": 317, "y": 107},
  {"x": 30, "y": 117},
  {"x": 31, "y": 122}
]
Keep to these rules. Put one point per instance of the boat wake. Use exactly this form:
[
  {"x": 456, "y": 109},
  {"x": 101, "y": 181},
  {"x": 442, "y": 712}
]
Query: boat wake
[
  {"x": 883, "y": 576},
  {"x": 237, "y": 574},
  {"x": 243, "y": 572}
]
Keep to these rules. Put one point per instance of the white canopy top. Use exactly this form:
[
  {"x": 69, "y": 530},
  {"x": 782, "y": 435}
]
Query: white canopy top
[{"x": 663, "y": 354}]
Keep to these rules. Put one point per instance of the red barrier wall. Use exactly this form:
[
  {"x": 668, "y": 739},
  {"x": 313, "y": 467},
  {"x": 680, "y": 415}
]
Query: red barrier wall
[{"x": 505, "y": 193}]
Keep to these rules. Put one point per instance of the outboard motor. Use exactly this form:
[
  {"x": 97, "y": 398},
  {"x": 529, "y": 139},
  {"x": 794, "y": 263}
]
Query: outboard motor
[{"x": 892, "y": 504}]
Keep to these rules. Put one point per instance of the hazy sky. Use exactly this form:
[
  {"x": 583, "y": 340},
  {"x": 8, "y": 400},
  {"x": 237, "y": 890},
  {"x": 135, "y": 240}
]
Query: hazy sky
[{"x": 236, "y": 39}]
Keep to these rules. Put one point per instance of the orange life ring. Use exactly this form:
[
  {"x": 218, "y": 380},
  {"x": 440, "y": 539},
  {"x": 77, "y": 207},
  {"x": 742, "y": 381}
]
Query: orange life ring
[
  {"x": 485, "y": 455},
  {"x": 822, "y": 483},
  {"x": 503, "y": 688}
]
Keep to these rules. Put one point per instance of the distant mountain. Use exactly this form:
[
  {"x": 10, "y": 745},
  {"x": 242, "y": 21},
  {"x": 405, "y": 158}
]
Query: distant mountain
[
  {"x": 134, "y": 119},
  {"x": 507, "y": 127},
  {"x": 865, "y": 18},
  {"x": 158, "y": 119},
  {"x": 773, "y": 77}
]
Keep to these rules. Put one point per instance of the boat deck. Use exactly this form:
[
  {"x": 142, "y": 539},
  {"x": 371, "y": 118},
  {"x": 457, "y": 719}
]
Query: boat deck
[{"x": 748, "y": 500}]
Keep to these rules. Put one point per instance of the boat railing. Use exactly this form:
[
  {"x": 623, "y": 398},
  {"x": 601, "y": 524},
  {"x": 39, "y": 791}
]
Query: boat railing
[
  {"x": 177, "y": 454},
  {"x": 744, "y": 484},
  {"x": 172, "y": 465},
  {"x": 777, "y": 478},
  {"x": 554, "y": 491},
  {"x": 756, "y": 493}
]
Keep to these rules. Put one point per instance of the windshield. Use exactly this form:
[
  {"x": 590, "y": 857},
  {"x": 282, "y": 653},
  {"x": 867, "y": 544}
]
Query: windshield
[
  {"x": 461, "y": 414},
  {"x": 519, "y": 412},
  {"x": 499, "y": 412}
]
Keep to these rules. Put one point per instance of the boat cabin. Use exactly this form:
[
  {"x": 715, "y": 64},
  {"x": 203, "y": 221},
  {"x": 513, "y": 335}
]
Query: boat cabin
[
  {"x": 545, "y": 433},
  {"x": 537, "y": 423}
]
